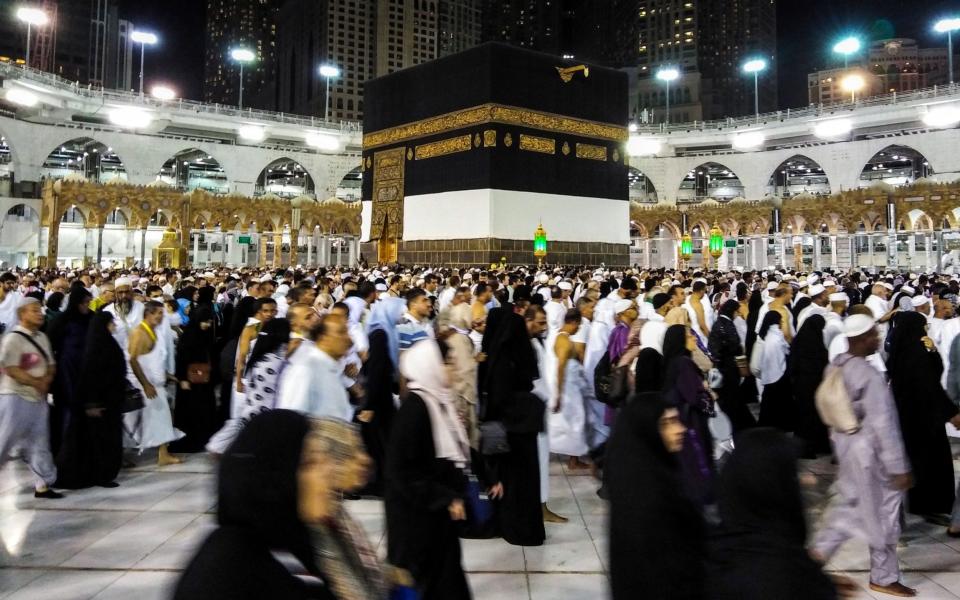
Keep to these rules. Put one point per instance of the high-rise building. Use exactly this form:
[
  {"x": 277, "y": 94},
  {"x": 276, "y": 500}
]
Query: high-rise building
[
  {"x": 85, "y": 41},
  {"x": 708, "y": 41},
  {"x": 362, "y": 39},
  {"x": 890, "y": 65},
  {"x": 110, "y": 57},
  {"x": 459, "y": 26},
  {"x": 534, "y": 24},
  {"x": 250, "y": 24}
]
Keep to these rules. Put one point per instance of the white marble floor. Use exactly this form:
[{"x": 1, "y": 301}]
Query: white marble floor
[{"x": 132, "y": 541}]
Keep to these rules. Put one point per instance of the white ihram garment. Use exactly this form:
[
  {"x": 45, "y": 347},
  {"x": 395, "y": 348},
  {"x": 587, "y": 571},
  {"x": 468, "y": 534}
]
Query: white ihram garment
[{"x": 151, "y": 426}]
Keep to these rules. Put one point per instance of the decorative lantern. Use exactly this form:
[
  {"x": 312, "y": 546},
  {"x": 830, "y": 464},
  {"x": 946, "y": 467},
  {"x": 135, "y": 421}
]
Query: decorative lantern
[
  {"x": 540, "y": 243},
  {"x": 686, "y": 246},
  {"x": 716, "y": 241}
]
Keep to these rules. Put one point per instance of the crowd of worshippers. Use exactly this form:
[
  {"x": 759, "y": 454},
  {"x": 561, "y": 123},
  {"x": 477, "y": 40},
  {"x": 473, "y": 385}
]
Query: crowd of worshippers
[{"x": 688, "y": 395}]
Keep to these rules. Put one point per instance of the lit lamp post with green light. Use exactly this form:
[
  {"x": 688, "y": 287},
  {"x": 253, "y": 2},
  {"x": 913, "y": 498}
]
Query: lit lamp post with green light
[
  {"x": 716, "y": 242},
  {"x": 540, "y": 244},
  {"x": 686, "y": 249}
]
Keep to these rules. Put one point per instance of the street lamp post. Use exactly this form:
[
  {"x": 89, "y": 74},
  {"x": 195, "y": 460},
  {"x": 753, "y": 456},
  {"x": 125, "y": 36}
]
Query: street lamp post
[
  {"x": 668, "y": 75},
  {"x": 755, "y": 66},
  {"x": 143, "y": 38},
  {"x": 853, "y": 84},
  {"x": 846, "y": 47},
  {"x": 31, "y": 16},
  {"x": 948, "y": 26},
  {"x": 242, "y": 56},
  {"x": 328, "y": 72}
]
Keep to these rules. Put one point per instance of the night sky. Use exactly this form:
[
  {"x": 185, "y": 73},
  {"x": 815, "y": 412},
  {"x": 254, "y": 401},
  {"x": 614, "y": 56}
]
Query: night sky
[{"x": 806, "y": 30}]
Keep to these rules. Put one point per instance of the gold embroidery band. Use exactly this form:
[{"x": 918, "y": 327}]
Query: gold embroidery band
[
  {"x": 592, "y": 152},
  {"x": 487, "y": 114},
  {"x": 537, "y": 144},
  {"x": 443, "y": 147}
]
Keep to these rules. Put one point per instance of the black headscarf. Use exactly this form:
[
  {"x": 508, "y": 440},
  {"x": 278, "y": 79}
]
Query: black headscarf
[
  {"x": 906, "y": 344},
  {"x": 257, "y": 482},
  {"x": 102, "y": 380},
  {"x": 511, "y": 369},
  {"x": 753, "y": 313},
  {"x": 801, "y": 304},
  {"x": 674, "y": 346},
  {"x": 274, "y": 334},
  {"x": 656, "y": 532},
  {"x": 72, "y": 315},
  {"x": 196, "y": 343},
  {"x": 760, "y": 552},
  {"x": 205, "y": 295},
  {"x": 729, "y": 309},
  {"x": 772, "y": 319},
  {"x": 246, "y": 308}
]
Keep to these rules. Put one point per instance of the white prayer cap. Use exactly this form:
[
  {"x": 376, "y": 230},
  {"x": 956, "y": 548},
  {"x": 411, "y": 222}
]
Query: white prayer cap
[
  {"x": 381, "y": 287},
  {"x": 887, "y": 285},
  {"x": 813, "y": 278},
  {"x": 543, "y": 278},
  {"x": 675, "y": 282},
  {"x": 857, "y": 325},
  {"x": 919, "y": 300},
  {"x": 209, "y": 275},
  {"x": 839, "y": 297},
  {"x": 598, "y": 278},
  {"x": 283, "y": 289},
  {"x": 26, "y": 301},
  {"x": 829, "y": 283},
  {"x": 188, "y": 280},
  {"x": 772, "y": 285},
  {"x": 621, "y": 306},
  {"x": 266, "y": 278},
  {"x": 816, "y": 289},
  {"x": 565, "y": 285},
  {"x": 123, "y": 282},
  {"x": 863, "y": 285},
  {"x": 913, "y": 276},
  {"x": 906, "y": 289}
]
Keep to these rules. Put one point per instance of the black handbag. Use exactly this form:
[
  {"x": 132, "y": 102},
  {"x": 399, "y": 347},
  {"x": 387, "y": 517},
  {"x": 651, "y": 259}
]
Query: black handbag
[
  {"x": 493, "y": 438},
  {"x": 611, "y": 384},
  {"x": 132, "y": 399}
]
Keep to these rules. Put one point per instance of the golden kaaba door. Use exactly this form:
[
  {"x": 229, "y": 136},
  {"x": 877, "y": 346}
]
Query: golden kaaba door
[{"x": 387, "y": 250}]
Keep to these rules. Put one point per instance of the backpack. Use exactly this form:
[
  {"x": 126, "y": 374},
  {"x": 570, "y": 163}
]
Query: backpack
[
  {"x": 610, "y": 383},
  {"x": 834, "y": 404}
]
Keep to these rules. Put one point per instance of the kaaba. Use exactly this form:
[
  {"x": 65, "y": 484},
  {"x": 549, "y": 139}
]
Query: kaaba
[{"x": 465, "y": 156}]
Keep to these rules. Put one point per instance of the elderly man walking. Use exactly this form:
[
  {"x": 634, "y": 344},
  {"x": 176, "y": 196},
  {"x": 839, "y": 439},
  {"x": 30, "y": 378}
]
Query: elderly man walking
[{"x": 873, "y": 470}]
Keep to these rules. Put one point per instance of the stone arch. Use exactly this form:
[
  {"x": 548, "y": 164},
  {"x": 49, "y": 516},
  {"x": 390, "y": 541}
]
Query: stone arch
[
  {"x": 285, "y": 177},
  {"x": 710, "y": 180},
  {"x": 796, "y": 175},
  {"x": 23, "y": 212},
  {"x": 350, "y": 185},
  {"x": 896, "y": 164},
  {"x": 86, "y": 157},
  {"x": 193, "y": 168},
  {"x": 641, "y": 188},
  {"x": 120, "y": 215}
]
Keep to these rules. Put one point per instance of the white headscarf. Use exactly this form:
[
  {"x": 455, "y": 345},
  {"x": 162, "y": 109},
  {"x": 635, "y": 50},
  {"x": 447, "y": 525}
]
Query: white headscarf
[{"x": 422, "y": 366}]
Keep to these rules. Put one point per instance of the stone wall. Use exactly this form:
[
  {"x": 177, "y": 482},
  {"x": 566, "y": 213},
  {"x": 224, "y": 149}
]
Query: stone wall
[{"x": 484, "y": 251}]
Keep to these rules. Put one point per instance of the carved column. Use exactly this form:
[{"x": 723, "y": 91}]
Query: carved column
[
  {"x": 99, "y": 244},
  {"x": 262, "y": 254},
  {"x": 277, "y": 250},
  {"x": 294, "y": 242}
]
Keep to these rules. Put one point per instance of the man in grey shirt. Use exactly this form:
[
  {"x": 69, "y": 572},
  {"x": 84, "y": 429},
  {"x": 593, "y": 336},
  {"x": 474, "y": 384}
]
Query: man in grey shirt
[{"x": 28, "y": 368}]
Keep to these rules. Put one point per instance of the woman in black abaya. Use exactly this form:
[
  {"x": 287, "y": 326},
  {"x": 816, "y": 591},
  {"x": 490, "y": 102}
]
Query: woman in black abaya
[
  {"x": 807, "y": 361},
  {"x": 511, "y": 370},
  {"x": 426, "y": 479},
  {"x": 683, "y": 387},
  {"x": 196, "y": 409},
  {"x": 656, "y": 531},
  {"x": 760, "y": 551},
  {"x": 93, "y": 451},
  {"x": 915, "y": 367},
  {"x": 68, "y": 335}
]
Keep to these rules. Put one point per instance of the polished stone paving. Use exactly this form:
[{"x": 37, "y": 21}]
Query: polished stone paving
[{"x": 132, "y": 541}]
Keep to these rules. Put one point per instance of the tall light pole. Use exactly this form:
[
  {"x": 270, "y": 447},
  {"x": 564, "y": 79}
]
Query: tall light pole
[
  {"x": 143, "y": 38},
  {"x": 846, "y": 47},
  {"x": 328, "y": 72},
  {"x": 32, "y": 17},
  {"x": 668, "y": 75},
  {"x": 948, "y": 26},
  {"x": 853, "y": 84},
  {"x": 242, "y": 56},
  {"x": 754, "y": 66}
]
